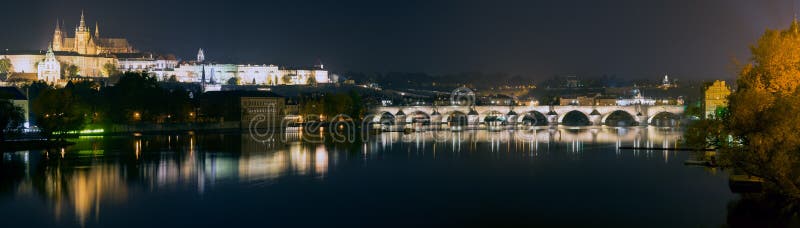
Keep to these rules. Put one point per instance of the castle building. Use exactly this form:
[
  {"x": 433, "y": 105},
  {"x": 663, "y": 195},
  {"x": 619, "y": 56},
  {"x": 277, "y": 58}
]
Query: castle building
[
  {"x": 88, "y": 55},
  {"x": 87, "y": 52},
  {"x": 161, "y": 66},
  {"x": 86, "y": 43},
  {"x": 25, "y": 65},
  {"x": 208, "y": 72}
]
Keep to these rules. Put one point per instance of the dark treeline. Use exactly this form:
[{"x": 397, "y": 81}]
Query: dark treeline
[
  {"x": 135, "y": 98},
  {"x": 327, "y": 106}
]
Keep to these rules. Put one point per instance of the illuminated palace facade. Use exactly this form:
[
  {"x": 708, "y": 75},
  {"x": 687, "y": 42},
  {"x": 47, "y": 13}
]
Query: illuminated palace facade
[
  {"x": 208, "y": 72},
  {"x": 90, "y": 53}
]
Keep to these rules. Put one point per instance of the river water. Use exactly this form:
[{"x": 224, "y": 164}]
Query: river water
[{"x": 549, "y": 177}]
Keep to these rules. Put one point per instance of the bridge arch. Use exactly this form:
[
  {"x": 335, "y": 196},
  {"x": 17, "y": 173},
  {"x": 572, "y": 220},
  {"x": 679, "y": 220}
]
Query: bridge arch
[
  {"x": 532, "y": 118},
  {"x": 626, "y": 114},
  {"x": 665, "y": 115},
  {"x": 418, "y": 117},
  {"x": 492, "y": 116},
  {"x": 584, "y": 117},
  {"x": 384, "y": 118},
  {"x": 455, "y": 118}
]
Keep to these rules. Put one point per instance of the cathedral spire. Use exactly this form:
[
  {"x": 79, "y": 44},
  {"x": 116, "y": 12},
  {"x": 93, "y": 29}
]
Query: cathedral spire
[
  {"x": 96, "y": 30},
  {"x": 83, "y": 22},
  {"x": 57, "y": 37}
]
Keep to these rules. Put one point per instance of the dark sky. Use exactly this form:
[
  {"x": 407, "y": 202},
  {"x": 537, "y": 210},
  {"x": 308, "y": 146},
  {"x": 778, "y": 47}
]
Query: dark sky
[{"x": 687, "y": 39}]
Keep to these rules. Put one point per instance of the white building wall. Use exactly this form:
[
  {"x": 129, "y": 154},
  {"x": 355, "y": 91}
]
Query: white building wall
[
  {"x": 258, "y": 73},
  {"x": 87, "y": 65},
  {"x": 322, "y": 76},
  {"x": 262, "y": 74}
]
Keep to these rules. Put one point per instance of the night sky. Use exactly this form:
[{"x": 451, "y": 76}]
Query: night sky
[{"x": 687, "y": 39}]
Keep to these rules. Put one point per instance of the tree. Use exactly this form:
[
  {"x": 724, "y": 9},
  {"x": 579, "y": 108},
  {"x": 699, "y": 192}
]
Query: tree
[
  {"x": 110, "y": 69},
  {"x": 172, "y": 78},
  {"x": 357, "y": 110},
  {"x": 69, "y": 70},
  {"x": 11, "y": 118},
  {"x": 58, "y": 112},
  {"x": 311, "y": 80},
  {"x": 233, "y": 81},
  {"x": 287, "y": 79},
  {"x": 759, "y": 134},
  {"x": 5, "y": 67},
  {"x": 694, "y": 109},
  {"x": 134, "y": 93}
]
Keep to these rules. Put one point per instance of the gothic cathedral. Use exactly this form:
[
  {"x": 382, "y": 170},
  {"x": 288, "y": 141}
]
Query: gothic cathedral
[{"x": 85, "y": 43}]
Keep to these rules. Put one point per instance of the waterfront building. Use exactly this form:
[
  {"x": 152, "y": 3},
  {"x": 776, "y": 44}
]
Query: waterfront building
[
  {"x": 262, "y": 109},
  {"x": 715, "y": 96},
  {"x": 17, "y": 98},
  {"x": 637, "y": 98},
  {"x": 497, "y": 99},
  {"x": 576, "y": 100},
  {"x": 605, "y": 100}
]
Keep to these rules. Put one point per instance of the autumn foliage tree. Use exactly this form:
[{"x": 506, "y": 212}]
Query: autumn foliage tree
[{"x": 760, "y": 134}]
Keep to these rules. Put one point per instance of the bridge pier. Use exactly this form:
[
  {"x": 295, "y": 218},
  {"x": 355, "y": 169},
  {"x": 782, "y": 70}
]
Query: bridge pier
[
  {"x": 641, "y": 119},
  {"x": 552, "y": 119},
  {"x": 595, "y": 119}
]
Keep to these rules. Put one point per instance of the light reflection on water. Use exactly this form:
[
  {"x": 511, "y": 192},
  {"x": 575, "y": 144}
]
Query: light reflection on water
[{"x": 80, "y": 180}]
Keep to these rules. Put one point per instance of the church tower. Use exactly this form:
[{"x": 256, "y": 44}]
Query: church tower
[
  {"x": 82, "y": 37},
  {"x": 49, "y": 68},
  {"x": 201, "y": 56},
  {"x": 58, "y": 37}
]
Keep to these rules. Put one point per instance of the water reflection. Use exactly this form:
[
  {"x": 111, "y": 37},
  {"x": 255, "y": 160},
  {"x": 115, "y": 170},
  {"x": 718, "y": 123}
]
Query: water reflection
[
  {"x": 536, "y": 140},
  {"x": 78, "y": 181}
]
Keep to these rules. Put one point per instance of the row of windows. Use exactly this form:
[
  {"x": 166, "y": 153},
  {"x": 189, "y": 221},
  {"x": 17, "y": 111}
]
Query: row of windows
[
  {"x": 261, "y": 110},
  {"x": 260, "y": 103}
]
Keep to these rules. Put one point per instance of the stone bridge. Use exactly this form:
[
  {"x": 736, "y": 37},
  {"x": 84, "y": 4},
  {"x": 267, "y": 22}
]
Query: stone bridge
[{"x": 513, "y": 115}]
